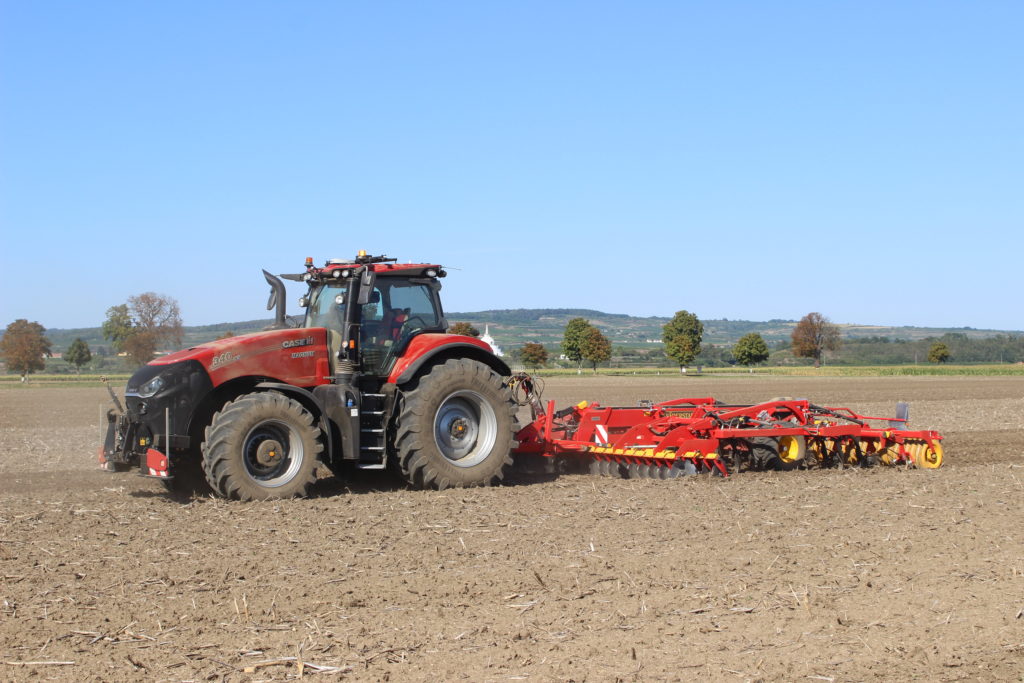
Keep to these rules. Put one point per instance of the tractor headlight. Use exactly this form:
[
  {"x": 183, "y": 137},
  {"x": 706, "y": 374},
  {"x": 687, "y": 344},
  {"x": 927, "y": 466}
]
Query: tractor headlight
[
  {"x": 335, "y": 274},
  {"x": 430, "y": 272},
  {"x": 151, "y": 387},
  {"x": 345, "y": 273}
]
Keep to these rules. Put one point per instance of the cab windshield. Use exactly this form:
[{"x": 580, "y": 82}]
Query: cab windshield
[
  {"x": 327, "y": 307},
  {"x": 395, "y": 306}
]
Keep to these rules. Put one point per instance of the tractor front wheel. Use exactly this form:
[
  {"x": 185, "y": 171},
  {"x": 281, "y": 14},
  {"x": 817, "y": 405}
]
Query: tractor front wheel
[
  {"x": 262, "y": 446},
  {"x": 455, "y": 427}
]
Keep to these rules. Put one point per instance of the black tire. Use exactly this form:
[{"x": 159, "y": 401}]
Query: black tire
[
  {"x": 262, "y": 446},
  {"x": 763, "y": 452},
  {"x": 456, "y": 427}
]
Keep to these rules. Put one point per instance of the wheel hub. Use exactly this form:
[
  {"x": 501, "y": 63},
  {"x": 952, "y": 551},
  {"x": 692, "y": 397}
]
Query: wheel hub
[
  {"x": 458, "y": 429},
  {"x": 269, "y": 453}
]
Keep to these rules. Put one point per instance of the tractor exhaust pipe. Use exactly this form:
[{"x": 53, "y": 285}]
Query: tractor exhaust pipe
[{"x": 276, "y": 301}]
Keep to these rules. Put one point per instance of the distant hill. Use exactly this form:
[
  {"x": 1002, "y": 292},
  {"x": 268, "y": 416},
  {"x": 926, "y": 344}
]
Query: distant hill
[
  {"x": 546, "y": 326},
  {"x": 514, "y": 327}
]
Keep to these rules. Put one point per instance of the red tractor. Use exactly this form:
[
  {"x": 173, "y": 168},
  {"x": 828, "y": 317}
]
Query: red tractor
[{"x": 369, "y": 380}]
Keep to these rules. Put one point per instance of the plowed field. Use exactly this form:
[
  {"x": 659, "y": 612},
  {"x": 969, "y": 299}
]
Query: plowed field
[{"x": 881, "y": 574}]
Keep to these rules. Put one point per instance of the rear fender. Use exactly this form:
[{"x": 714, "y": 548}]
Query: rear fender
[{"x": 419, "y": 357}]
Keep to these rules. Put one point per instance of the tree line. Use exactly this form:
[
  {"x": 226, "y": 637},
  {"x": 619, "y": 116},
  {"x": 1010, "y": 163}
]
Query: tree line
[
  {"x": 814, "y": 338},
  {"x": 137, "y": 328},
  {"x": 148, "y": 322}
]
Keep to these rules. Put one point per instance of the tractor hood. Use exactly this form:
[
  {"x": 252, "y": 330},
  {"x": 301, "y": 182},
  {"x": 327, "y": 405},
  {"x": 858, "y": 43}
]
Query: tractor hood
[{"x": 298, "y": 356}]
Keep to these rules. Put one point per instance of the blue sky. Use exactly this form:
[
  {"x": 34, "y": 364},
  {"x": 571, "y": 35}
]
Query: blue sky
[{"x": 745, "y": 160}]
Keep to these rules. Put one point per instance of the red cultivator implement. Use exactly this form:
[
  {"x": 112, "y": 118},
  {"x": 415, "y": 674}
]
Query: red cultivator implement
[{"x": 689, "y": 435}]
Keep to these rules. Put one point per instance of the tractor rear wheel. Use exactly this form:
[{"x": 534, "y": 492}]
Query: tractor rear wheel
[
  {"x": 455, "y": 427},
  {"x": 262, "y": 446}
]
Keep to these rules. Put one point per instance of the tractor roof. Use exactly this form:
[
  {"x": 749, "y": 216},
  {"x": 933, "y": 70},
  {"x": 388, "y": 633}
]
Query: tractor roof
[{"x": 381, "y": 265}]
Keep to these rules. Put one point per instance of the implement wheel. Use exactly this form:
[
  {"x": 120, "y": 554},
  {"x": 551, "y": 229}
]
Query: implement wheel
[
  {"x": 262, "y": 446},
  {"x": 782, "y": 453},
  {"x": 455, "y": 428},
  {"x": 792, "y": 451},
  {"x": 926, "y": 455}
]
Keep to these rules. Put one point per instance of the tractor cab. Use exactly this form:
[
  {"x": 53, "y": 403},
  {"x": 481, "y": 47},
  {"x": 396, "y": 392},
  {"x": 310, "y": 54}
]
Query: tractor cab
[{"x": 371, "y": 308}]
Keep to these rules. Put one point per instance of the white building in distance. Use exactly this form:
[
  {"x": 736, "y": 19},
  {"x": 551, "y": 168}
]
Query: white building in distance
[{"x": 489, "y": 340}]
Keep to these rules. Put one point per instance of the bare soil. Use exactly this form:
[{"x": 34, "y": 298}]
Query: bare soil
[{"x": 881, "y": 574}]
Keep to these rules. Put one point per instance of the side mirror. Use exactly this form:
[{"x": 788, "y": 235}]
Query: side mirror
[{"x": 366, "y": 282}]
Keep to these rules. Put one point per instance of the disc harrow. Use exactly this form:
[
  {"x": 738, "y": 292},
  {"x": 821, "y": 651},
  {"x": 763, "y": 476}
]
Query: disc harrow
[{"x": 693, "y": 435}]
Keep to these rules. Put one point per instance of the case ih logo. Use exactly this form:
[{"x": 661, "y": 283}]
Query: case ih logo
[
  {"x": 292, "y": 343},
  {"x": 223, "y": 359}
]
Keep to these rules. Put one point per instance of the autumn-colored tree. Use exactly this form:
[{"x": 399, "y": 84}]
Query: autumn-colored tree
[
  {"x": 814, "y": 335},
  {"x": 141, "y": 326},
  {"x": 23, "y": 347},
  {"x": 78, "y": 354},
  {"x": 595, "y": 347},
  {"x": 938, "y": 353},
  {"x": 750, "y": 349},
  {"x": 572, "y": 342},
  {"x": 465, "y": 329},
  {"x": 533, "y": 355},
  {"x": 682, "y": 335},
  {"x": 227, "y": 335}
]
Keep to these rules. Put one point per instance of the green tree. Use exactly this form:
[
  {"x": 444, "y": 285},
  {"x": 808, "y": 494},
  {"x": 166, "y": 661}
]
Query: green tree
[
  {"x": 682, "y": 335},
  {"x": 533, "y": 355},
  {"x": 464, "y": 329},
  {"x": 938, "y": 353},
  {"x": 595, "y": 347},
  {"x": 142, "y": 325},
  {"x": 23, "y": 347},
  {"x": 118, "y": 326},
  {"x": 572, "y": 341},
  {"x": 814, "y": 335},
  {"x": 78, "y": 354},
  {"x": 750, "y": 349}
]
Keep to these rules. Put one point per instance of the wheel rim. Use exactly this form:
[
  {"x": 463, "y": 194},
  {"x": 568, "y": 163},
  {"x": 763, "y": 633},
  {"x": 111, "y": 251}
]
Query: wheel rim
[
  {"x": 789, "y": 449},
  {"x": 272, "y": 453},
  {"x": 926, "y": 455},
  {"x": 465, "y": 428}
]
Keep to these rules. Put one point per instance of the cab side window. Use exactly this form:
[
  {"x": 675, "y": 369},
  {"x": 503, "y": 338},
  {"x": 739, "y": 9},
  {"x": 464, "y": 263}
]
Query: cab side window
[{"x": 416, "y": 303}]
